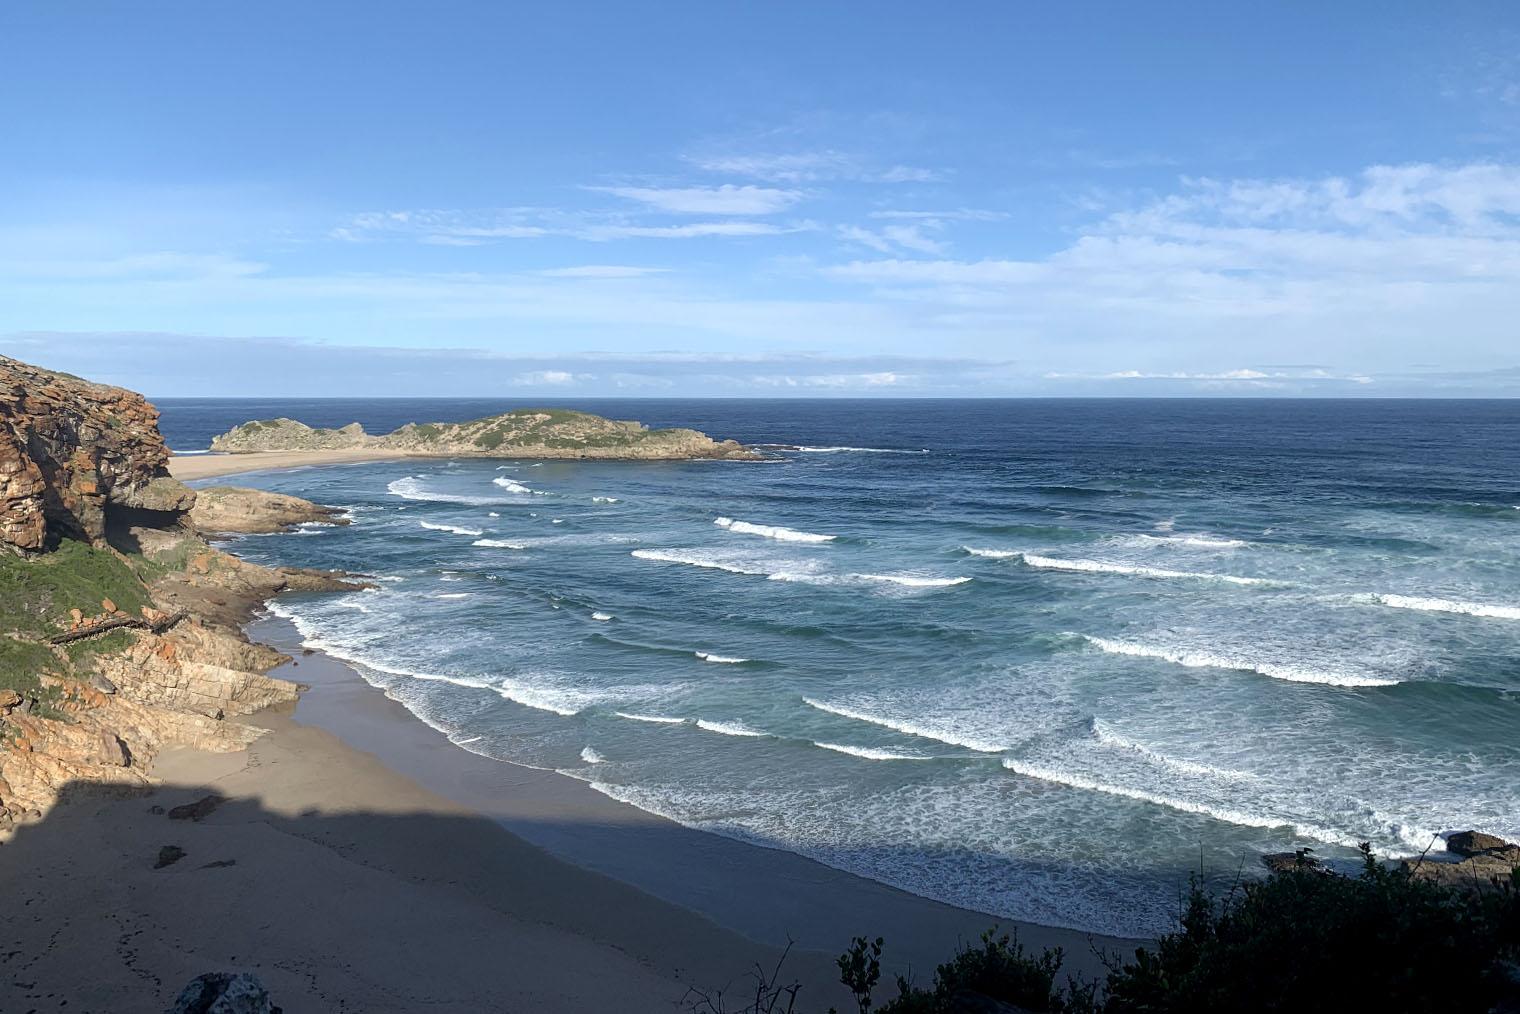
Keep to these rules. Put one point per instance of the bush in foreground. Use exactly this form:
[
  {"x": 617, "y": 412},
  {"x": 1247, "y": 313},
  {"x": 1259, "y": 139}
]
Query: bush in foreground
[{"x": 1302, "y": 940}]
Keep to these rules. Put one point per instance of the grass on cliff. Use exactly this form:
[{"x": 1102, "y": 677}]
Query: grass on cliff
[{"x": 37, "y": 594}]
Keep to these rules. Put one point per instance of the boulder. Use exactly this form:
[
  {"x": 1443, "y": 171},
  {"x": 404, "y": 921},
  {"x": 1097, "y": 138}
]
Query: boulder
[
  {"x": 1469, "y": 843},
  {"x": 168, "y": 856},
  {"x": 224, "y": 993},
  {"x": 223, "y": 510},
  {"x": 1292, "y": 862}
]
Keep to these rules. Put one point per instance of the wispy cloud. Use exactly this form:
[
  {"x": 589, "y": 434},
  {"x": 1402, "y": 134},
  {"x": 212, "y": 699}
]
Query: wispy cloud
[
  {"x": 727, "y": 199},
  {"x": 481, "y": 227},
  {"x": 813, "y": 166}
]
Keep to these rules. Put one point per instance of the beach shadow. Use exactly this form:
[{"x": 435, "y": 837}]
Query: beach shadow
[{"x": 116, "y": 899}]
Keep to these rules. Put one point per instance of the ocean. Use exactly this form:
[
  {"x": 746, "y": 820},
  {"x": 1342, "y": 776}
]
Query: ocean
[{"x": 1041, "y": 658}]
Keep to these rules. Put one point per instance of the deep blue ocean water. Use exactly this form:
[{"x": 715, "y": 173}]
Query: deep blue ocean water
[{"x": 1041, "y": 658}]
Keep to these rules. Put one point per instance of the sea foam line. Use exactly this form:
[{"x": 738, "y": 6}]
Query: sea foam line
[
  {"x": 1229, "y": 816},
  {"x": 908, "y": 728},
  {"x": 564, "y": 703},
  {"x": 1100, "y": 567},
  {"x": 1209, "y": 660},
  {"x": 869, "y": 753},
  {"x": 909, "y": 581},
  {"x": 455, "y": 529},
  {"x": 411, "y": 488},
  {"x": 729, "y": 728},
  {"x": 708, "y": 656},
  {"x": 1195, "y": 541},
  {"x": 656, "y": 719},
  {"x": 1434, "y": 605},
  {"x": 498, "y": 544},
  {"x": 861, "y": 450},
  {"x": 1108, "y": 737},
  {"x": 771, "y": 531}
]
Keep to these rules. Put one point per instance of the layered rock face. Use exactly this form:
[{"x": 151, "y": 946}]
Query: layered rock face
[
  {"x": 70, "y": 452},
  {"x": 529, "y": 433}
]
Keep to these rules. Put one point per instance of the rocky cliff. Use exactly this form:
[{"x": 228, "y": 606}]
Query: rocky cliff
[
  {"x": 73, "y": 454},
  {"x": 527, "y": 433},
  {"x": 120, "y": 628}
]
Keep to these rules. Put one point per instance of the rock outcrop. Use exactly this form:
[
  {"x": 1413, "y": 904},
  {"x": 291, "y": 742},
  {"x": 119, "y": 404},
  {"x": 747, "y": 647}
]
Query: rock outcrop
[
  {"x": 232, "y": 510},
  {"x": 71, "y": 453},
  {"x": 1487, "y": 862},
  {"x": 120, "y": 629},
  {"x": 526, "y": 433}
]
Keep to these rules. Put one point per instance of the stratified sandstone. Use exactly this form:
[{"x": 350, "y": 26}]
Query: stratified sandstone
[
  {"x": 526, "y": 433},
  {"x": 232, "y": 510},
  {"x": 71, "y": 452}
]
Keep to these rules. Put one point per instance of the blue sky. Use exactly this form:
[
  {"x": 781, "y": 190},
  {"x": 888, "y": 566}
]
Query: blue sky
[{"x": 763, "y": 199}]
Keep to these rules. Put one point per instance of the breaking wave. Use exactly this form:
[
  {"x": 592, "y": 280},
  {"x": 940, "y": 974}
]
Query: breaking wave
[
  {"x": 1100, "y": 567},
  {"x": 869, "y": 753},
  {"x": 498, "y": 544},
  {"x": 455, "y": 529},
  {"x": 1108, "y": 737},
  {"x": 590, "y": 756},
  {"x": 907, "y": 728},
  {"x": 1433, "y": 605},
  {"x": 1208, "y": 660},
  {"x": 730, "y": 728},
  {"x": 708, "y": 656},
  {"x": 656, "y": 719},
  {"x": 771, "y": 531}
]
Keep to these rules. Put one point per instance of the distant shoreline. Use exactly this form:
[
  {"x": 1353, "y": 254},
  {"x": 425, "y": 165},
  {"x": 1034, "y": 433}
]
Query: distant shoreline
[{"x": 190, "y": 467}]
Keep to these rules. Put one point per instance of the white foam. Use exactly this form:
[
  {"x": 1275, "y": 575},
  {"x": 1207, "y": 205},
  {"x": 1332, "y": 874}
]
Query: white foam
[
  {"x": 557, "y": 521},
  {"x": 452, "y": 595},
  {"x": 456, "y": 529},
  {"x": 869, "y": 753},
  {"x": 1108, "y": 737},
  {"x": 1192, "y": 541},
  {"x": 560, "y": 702},
  {"x": 657, "y": 719},
  {"x": 411, "y": 488},
  {"x": 601, "y": 617},
  {"x": 861, "y": 450},
  {"x": 1209, "y": 660},
  {"x": 694, "y": 560},
  {"x": 605, "y": 499},
  {"x": 992, "y": 554},
  {"x": 498, "y": 544},
  {"x": 513, "y": 486},
  {"x": 909, "y": 581},
  {"x": 729, "y": 728},
  {"x": 1226, "y": 814},
  {"x": 1434, "y": 605},
  {"x": 710, "y": 657},
  {"x": 590, "y": 756},
  {"x": 909, "y": 728},
  {"x": 771, "y": 531},
  {"x": 492, "y": 514},
  {"x": 1100, "y": 567}
]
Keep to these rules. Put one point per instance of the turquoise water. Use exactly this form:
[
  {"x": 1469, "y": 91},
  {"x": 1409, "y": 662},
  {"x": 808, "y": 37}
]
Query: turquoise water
[{"x": 1038, "y": 658}]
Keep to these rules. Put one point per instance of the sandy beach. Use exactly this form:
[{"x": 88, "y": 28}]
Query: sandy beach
[
  {"x": 190, "y": 467},
  {"x": 361, "y": 859}
]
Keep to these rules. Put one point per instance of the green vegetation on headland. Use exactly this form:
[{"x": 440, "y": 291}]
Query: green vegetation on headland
[
  {"x": 546, "y": 433},
  {"x": 1302, "y": 940}
]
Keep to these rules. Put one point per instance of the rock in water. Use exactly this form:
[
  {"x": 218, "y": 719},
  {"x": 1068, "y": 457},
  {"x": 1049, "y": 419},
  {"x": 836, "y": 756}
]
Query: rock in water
[
  {"x": 1470, "y": 843},
  {"x": 224, "y": 993},
  {"x": 221, "y": 510}
]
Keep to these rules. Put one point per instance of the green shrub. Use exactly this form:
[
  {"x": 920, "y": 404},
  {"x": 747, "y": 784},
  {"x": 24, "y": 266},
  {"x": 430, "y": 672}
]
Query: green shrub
[{"x": 37, "y": 594}]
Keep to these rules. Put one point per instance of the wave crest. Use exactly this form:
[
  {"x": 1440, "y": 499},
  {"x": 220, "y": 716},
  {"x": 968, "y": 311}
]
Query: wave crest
[
  {"x": 771, "y": 531},
  {"x": 1194, "y": 659}
]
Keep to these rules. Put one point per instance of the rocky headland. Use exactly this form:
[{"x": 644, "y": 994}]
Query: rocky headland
[
  {"x": 525, "y": 433},
  {"x": 120, "y": 625}
]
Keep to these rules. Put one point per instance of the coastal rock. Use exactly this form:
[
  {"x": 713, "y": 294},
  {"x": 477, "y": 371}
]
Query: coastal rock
[
  {"x": 198, "y": 810},
  {"x": 1292, "y": 862},
  {"x": 1469, "y": 843},
  {"x": 308, "y": 579},
  {"x": 73, "y": 454},
  {"x": 168, "y": 856},
  {"x": 225, "y": 510},
  {"x": 154, "y": 670},
  {"x": 224, "y": 993},
  {"x": 526, "y": 433}
]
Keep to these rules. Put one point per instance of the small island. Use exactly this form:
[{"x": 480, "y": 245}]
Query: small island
[{"x": 522, "y": 433}]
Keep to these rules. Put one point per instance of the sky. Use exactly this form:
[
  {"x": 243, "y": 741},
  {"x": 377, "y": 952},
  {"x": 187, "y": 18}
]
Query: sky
[{"x": 763, "y": 199}]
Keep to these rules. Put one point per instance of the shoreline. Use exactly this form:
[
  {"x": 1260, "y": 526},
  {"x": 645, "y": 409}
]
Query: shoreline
[
  {"x": 768, "y": 895},
  {"x": 211, "y": 465}
]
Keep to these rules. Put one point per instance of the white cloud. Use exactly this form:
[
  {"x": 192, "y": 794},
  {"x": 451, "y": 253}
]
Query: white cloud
[
  {"x": 727, "y": 199},
  {"x": 892, "y": 237},
  {"x": 552, "y": 377},
  {"x": 813, "y": 166}
]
